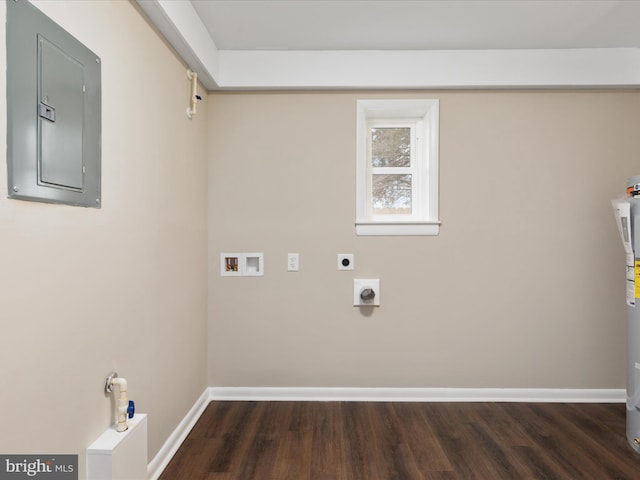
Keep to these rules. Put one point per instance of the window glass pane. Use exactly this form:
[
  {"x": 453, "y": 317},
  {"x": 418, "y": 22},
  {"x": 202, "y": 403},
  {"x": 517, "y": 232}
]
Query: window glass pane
[
  {"x": 391, "y": 147},
  {"x": 391, "y": 194}
]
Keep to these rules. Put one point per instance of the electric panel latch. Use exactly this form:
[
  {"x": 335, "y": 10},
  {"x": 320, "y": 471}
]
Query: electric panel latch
[{"x": 46, "y": 111}]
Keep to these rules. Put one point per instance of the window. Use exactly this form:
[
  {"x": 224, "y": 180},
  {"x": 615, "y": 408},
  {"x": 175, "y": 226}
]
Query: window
[{"x": 397, "y": 167}]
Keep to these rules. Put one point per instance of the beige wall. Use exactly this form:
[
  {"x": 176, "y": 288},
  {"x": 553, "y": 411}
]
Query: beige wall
[
  {"x": 524, "y": 286},
  {"x": 85, "y": 291}
]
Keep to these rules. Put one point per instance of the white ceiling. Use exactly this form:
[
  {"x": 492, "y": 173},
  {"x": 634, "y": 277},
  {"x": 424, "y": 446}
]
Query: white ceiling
[
  {"x": 334, "y": 44},
  {"x": 419, "y": 24}
]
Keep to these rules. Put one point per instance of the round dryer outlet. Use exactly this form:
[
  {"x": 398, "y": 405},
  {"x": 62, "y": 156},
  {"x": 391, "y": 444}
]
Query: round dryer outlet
[{"x": 345, "y": 261}]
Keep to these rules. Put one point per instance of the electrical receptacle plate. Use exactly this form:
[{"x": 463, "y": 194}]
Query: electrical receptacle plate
[{"x": 345, "y": 261}]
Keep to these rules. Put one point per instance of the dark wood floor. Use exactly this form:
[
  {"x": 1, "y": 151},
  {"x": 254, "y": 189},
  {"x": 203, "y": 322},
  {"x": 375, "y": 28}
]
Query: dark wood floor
[{"x": 384, "y": 441}]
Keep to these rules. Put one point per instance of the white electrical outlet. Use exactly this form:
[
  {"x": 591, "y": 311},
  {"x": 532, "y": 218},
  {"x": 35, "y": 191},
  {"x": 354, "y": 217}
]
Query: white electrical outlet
[
  {"x": 345, "y": 261},
  {"x": 293, "y": 262}
]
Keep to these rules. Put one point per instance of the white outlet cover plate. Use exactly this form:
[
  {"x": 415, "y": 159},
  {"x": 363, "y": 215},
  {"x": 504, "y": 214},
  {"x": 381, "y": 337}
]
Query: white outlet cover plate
[
  {"x": 342, "y": 257},
  {"x": 360, "y": 284},
  {"x": 293, "y": 262}
]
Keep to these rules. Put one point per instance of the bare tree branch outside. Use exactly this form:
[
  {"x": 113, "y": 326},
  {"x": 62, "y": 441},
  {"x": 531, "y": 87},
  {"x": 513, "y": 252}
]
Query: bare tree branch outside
[{"x": 391, "y": 148}]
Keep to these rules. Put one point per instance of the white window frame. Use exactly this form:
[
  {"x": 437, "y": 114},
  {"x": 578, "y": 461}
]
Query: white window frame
[
  {"x": 423, "y": 116},
  {"x": 418, "y": 179}
]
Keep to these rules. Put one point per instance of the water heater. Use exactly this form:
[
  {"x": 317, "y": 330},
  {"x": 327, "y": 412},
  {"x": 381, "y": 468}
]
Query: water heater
[{"x": 628, "y": 218}]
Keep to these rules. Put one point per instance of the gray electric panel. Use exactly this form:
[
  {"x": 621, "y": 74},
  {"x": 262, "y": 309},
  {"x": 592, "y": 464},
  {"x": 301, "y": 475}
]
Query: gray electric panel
[{"x": 53, "y": 112}]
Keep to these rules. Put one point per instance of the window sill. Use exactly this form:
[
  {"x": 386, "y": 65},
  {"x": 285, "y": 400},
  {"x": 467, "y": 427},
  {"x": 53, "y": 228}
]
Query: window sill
[{"x": 430, "y": 228}]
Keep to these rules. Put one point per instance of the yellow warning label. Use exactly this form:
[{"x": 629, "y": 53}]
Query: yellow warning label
[{"x": 637, "y": 277}]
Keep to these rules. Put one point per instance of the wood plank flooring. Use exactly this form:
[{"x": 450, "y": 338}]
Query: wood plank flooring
[{"x": 412, "y": 441}]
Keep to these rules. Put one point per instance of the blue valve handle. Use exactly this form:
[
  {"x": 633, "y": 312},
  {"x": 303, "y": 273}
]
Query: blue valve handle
[{"x": 131, "y": 409}]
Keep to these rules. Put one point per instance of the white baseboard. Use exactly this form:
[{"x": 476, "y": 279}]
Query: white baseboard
[
  {"x": 550, "y": 395},
  {"x": 539, "y": 395},
  {"x": 170, "y": 447}
]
